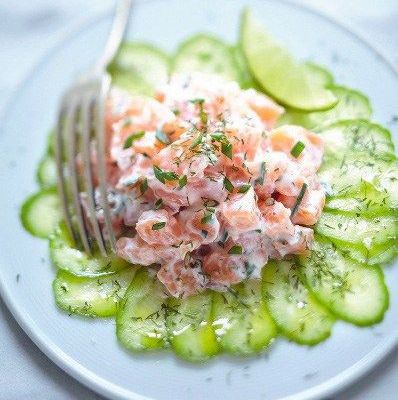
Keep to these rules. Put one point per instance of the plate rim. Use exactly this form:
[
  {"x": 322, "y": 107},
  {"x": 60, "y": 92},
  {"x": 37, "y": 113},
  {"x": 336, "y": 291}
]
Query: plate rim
[{"x": 106, "y": 388}]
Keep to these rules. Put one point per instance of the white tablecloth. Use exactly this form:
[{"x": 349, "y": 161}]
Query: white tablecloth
[{"x": 30, "y": 27}]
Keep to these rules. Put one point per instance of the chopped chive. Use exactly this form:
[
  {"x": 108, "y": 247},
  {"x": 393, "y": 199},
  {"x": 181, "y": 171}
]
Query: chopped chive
[
  {"x": 299, "y": 199},
  {"x": 130, "y": 140},
  {"x": 228, "y": 185},
  {"x": 162, "y": 137},
  {"x": 158, "y": 174},
  {"x": 244, "y": 188},
  {"x": 207, "y": 218},
  {"x": 226, "y": 149},
  {"x": 260, "y": 180},
  {"x": 158, "y": 225},
  {"x": 144, "y": 186},
  {"x": 158, "y": 204},
  {"x": 237, "y": 249},
  {"x": 196, "y": 142},
  {"x": 182, "y": 181},
  {"x": 297, "y": 149}
]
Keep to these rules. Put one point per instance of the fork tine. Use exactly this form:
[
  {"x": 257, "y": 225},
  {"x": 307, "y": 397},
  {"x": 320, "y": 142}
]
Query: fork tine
[
  {"x": 71, "y": 134},
  {"x": 102, "y": 173},
  {"x": 61, "y": 181},
  {"x": 87, "y": 128}
]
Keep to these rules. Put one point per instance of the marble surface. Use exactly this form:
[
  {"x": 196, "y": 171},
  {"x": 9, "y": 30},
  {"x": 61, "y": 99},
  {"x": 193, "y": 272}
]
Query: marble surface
[{"x": 28, "y": 28}]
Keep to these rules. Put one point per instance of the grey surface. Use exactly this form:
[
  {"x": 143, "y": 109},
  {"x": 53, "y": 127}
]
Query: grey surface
[{"x": 27, "y": 29}]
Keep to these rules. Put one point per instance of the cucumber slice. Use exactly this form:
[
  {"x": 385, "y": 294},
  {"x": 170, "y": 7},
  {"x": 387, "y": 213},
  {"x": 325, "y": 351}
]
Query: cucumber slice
[
  {"x": 97, "y": 297},
  {"x": 47, "y": 172},
  {"x": 351, "y": 105},
  {"x": 321, "y": 74},
  {"x": 205, "y": 53},
  {"x": 297, "y": 313},
  {"x": 140, "y": 321},
  {"x": 358, "y": 230},
  {"x": 354, "y": 292},
  {"x": 139, "y": 68},
  {"x": 189, "y": 326},
  {"x": 376, "y": 255},
  {"x": 41, "y": 212},
  {"x": 51, "y": 143},
  {"x": 242, "y": 322},
  {"x": 77, "y": 262},
  {"x": 357, "y": 137},
  {"x": 289, "y": 82},
  {"x": 366, "y": 201}
]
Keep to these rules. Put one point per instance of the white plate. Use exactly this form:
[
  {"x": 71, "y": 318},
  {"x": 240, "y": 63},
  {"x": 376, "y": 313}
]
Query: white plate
[{"x": 87, "y": 349}]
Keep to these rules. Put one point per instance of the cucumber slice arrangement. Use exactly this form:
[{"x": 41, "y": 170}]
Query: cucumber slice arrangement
[
  {"x": 299, "y": 298},
  {"x": 296, "y": 311},
  {"x": 41, "y": 213},
  {"x": 278, "y": 73}
]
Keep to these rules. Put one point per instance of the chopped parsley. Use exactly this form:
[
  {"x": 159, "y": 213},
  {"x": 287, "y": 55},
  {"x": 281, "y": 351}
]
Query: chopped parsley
[
  {"x": 207, "y": 217},
  {"x": 237, "y": 249},
  {"x": 299, "y": 199},
  {"x": 196, "y": 142},
  {"x": 133, "y": 137},
  {"x": 228, "y": 185},
  {"x": 164, "y": 176},
  {"x": 244, "y": 188},
  {"x": 162, "y": 137},
  {"x": 158, "y": 225},
  {"x": 226, "y": 149},
  {"x": 297, "y": 149}
]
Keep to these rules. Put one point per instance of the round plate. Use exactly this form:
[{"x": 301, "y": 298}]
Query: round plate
[{"x": 87, "y": 348}]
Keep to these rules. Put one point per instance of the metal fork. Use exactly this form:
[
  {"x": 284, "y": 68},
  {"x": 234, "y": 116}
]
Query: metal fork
[{"x": 81, "y": 121}]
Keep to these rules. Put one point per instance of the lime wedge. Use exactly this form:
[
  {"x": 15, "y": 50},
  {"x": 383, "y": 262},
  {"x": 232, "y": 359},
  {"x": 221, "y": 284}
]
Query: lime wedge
[{"x": 289, "y": 82}]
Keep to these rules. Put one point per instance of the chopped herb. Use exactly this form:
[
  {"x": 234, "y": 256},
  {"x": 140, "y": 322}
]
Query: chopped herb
[
  {"x": 218, "y": 136},
  {"x": 182, "y": 181},
  {"x": 228, "y": 185},
  {"x": 196, "y": 142},
  {"x": 260, "y": 180},
  {"x": 244, "y": 188},
  {"x": 297, "y": 149},
  {"x": 226, "y": 149},
  {"x": 236, "y": 249},
  {"x": 162, "y": 137},
  {"x": 176, "y": 112},
  {"x": 197, "y": 101},
  {"x": 299, "y": 199},
  {"x": 144, "y": 186},
  {"x": 158, "y": 225},
  {"x": 207, "y": 217},
  {"x": 130, "y": 140},
  {"x": 158, "y": 174},
  {"x": 158, "y": 204},
  {"x": 203, "y": 115},
  {"x": 170, "y": 176}
]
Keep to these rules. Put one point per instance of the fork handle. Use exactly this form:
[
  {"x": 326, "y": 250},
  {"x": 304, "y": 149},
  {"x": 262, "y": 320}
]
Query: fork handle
[{"x": 116, "y": 35}]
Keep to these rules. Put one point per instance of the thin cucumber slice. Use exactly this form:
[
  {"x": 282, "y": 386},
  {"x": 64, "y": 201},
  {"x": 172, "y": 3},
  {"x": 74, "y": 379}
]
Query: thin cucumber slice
[
  {"x": 140, "y": 321},
  {"x": 296, "y": 312},
  {"x": 376, "y": 255},
  {"x": 208, "y": 54},
  {"x": 246, "y": 81},
  {"x": 189, "y": 326},
  {"x": 289, "y": 82},
  {"x": 349, "y": 228},
  {"x": 319, "y": 73},
  {"x": 242, "y": 322},
  {"x": 351, "y": 105},
  {"x": 354, "y": 292},
  {"x": 140, "y": 68},
  {"x": 357, "y": 137},
  {"x": 66, "y": 257},
  {"x": 97, "y": 297},
  {"x": 366, "y": 201},
  {"x": 41, "y": 213},
  {"x": 47, "y": 172}
]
